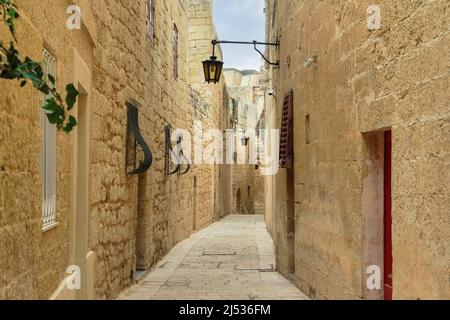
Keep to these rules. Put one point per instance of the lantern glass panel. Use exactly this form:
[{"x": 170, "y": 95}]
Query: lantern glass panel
[
  {"x": 218, "y": 71},
  {"x": 206, "y": 70}
]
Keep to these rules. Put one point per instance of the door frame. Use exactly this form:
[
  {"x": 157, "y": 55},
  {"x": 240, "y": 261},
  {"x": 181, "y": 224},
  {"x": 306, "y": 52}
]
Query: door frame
[
  {"x": 81, "y": 256},
  {"x": 387, "y": 218},
  {"x": 377, "y": 188}
]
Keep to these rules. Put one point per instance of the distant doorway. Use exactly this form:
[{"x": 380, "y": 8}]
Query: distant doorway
[
  {"x": 238, "y": 201},
  {"x": 291, "y": 221}
]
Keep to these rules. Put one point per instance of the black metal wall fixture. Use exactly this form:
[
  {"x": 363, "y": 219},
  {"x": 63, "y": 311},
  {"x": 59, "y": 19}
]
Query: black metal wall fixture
[
  {"x": 138, "y": 156},
  {"x": 179, "y": 155},
  {"x": 182, "y": 156}
]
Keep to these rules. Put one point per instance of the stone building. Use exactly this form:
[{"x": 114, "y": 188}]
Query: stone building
[
  {"x": 368, "y": 187},
  {"x": 212, "y": 112},
  {"x": 246, "y": 92},
  {"x": 67, "y": 199}
]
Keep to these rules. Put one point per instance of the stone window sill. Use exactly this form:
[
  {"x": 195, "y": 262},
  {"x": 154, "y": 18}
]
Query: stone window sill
[{"x": 50, "y": 227}]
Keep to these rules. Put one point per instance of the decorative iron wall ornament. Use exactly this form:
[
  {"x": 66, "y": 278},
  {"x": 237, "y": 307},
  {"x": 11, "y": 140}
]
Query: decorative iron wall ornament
[
  {"x": 180, "y": 158},
  {"x": 138, "y": 157}
]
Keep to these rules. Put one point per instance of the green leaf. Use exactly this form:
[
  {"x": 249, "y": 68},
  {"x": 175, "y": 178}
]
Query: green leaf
[
  {"x": 72, "y": 120},
  {"x": 70, "y": 124},
  {"x": 12, "y": 14},
  {"x": 54, "y": 108},
  {"x": 44, "y": 89},
  {"x": 8, "y": 75},
  {"x": 13, "y": 67},
  {"x": 38, "y": 83},
  {"x": 72, "y": 94},
  {"x": 50, "y": 105},
  {"x": 51, "y": 79},
  {"x": 53, "y": 118},
  {"x": 38, "y": 70}
]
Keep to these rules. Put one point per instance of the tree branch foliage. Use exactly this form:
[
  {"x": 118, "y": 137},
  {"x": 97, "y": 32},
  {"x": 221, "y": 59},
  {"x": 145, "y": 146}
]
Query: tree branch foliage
[{"x": 13, "y": 67}]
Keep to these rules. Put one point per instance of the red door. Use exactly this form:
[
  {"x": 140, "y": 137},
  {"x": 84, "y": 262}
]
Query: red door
[{"x": 388, "y": 216}]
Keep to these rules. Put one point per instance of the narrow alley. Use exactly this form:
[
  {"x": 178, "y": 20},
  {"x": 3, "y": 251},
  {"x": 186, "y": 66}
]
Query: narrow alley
[
  {"x": 212, "y": 264},
  {"x": 224, "y": 150}
]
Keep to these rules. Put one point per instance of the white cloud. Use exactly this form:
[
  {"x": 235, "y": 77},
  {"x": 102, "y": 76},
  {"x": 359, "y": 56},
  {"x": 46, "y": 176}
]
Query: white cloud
[{"x": 240, "y": 20}]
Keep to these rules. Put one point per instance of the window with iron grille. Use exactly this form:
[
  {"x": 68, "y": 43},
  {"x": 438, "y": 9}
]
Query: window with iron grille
[
  {"x": 150, "y": 24},
  {"x": 175, "y": 52},
  {"x": 287, "y": 132},
  {"x": 48, "y": 156}
]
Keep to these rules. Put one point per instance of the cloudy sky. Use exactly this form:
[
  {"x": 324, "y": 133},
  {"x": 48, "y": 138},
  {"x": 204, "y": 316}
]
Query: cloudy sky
[{"x": 240, "y": 20}]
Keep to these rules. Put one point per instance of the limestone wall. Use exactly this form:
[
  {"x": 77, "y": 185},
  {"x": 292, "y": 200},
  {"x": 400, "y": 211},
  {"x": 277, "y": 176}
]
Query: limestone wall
[
  {"x": 33, "y": 262},
  {"x": 132, "y": 221},
  {"x": 211, "y": 112},
  {"x": 364, "y": 82},
  {"x": 128, "y": 225},
  {"x": 163, "y": 210}
]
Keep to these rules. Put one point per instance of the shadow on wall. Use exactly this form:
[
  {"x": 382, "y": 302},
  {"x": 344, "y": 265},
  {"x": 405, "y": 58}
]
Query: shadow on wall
[
  {"x": 238, "y": 201},
  {"x": 246, "y": 203}
]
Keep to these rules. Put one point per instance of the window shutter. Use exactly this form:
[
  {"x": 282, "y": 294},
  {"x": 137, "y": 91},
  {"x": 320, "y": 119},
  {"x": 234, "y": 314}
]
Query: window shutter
[
  {"x": 150, "y": 16},
  {"x": 287, "y": 132}
]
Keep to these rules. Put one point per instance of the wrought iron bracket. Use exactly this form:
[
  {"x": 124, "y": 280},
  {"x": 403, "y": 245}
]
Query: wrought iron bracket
[
  {"x": 182, "y": 156},
  {"x": 138, "y": 156},
  {"x": 255, "y": 45},
  {"x": 179, "y": 155}
]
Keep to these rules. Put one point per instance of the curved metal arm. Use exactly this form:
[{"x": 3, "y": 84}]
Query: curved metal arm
[
  {"x": 254, "y": 43},
  {"x": 277, "y": 64},
  {"x": 174, "y": 171},
  {"x": 188, "y": 164},
  {"x": 180, "y": 155}
]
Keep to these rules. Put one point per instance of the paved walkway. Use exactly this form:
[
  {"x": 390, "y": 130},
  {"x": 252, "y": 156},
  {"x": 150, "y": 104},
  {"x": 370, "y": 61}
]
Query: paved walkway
[{"x": 232, "y": 259}]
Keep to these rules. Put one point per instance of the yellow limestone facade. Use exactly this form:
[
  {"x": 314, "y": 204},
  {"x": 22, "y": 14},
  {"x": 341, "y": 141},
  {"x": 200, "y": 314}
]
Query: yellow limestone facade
[
  {"x": 108, "y": 223},
  {"x": 326, "y": 213}
]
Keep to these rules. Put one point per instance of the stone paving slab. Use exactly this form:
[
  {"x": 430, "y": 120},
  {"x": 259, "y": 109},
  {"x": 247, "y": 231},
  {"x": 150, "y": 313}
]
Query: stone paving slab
[{"x": 233, "y": 259}]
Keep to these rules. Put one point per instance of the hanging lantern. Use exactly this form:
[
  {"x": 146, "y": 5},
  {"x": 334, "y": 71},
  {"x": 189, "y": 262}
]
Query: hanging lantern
[{"x": 212, "y": 69}]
